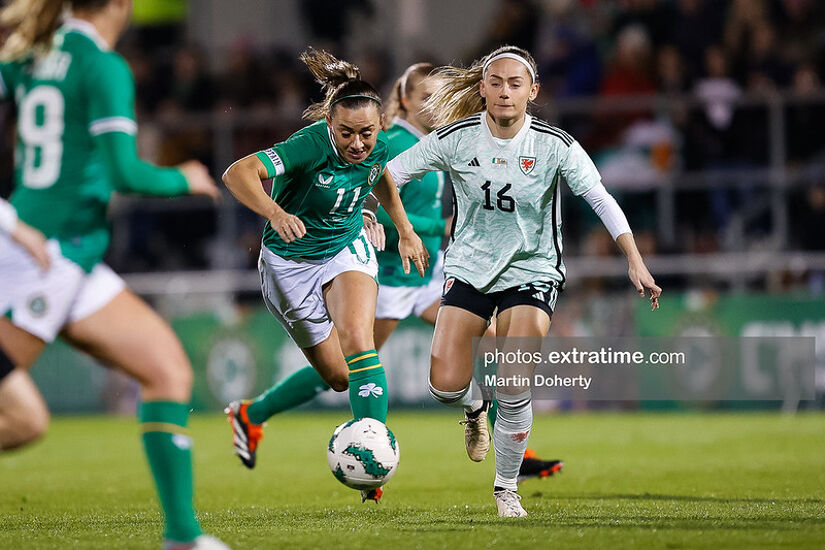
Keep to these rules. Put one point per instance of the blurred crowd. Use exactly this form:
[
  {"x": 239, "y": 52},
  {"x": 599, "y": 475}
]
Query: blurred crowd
[{"x": 714, "y": 136}]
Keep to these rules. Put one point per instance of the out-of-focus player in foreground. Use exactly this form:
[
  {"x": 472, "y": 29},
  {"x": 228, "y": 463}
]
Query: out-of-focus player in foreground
[
  {"x": 75, "y": 146},
  {"x": 505, "y": 254}
]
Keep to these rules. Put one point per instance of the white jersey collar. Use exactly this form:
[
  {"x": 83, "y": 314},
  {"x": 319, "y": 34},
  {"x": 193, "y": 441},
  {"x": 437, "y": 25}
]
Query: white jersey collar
[
  {"x": 86, "y": 28},
  {"x": 496, "y": 142},
  {"x": 408, "y": 127}
]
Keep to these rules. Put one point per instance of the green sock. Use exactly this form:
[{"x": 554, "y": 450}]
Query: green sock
[
  {"x": 168, "y": 450},
  {"x": 296, "y": 389},
  {"x": 367, "y": 386},
  {"x": 491, "y": 413}
]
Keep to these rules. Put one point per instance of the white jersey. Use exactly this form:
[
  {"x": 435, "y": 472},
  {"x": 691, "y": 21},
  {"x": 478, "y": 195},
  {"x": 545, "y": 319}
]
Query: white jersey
[{"x": 507, "y": 225}]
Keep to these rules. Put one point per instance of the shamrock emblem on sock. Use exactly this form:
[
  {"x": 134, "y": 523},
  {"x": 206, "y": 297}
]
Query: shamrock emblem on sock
[{"x": 370, "y": 389}]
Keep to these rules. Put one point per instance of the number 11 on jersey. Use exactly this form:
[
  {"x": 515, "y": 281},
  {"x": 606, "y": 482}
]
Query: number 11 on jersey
[{"x": 340, "y": 199}]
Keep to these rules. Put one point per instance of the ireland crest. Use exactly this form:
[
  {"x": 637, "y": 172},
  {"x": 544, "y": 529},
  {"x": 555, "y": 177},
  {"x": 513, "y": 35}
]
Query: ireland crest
[
  {"x": 375, "y": 171},
  {"x": 526, "y": 164}
]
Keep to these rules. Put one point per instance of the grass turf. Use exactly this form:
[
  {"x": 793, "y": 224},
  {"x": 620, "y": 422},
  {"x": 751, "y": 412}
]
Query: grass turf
[{"x": 630, "y": 481}]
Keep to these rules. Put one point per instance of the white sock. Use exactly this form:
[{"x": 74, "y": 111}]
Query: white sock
[
  {"x": 514, "y": 421},
  {"x": 472, "y": 399},
  {"x": 466, "y": 398}
]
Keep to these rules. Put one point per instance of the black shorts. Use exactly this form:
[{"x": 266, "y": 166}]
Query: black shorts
[
  {"x": 6, "y": 366},
  {"x": 539, "y": 294}
]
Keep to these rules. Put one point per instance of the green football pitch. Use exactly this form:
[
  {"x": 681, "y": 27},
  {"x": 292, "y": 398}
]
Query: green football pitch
[{"x": 630, "y": 481}]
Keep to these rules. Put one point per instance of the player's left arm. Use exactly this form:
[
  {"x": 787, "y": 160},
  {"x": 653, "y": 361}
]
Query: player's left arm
[
  {"x": 410, "y": 246},
  {"x": 584, "y": 180}
]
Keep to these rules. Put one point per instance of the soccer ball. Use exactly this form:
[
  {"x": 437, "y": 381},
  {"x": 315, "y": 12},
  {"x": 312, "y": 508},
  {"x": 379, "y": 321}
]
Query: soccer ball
[{"x": 363, "y": 454}]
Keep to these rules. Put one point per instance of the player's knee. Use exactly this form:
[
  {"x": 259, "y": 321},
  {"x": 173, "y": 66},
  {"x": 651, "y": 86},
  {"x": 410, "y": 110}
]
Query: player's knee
[
  {"x": 31, "y": 426},
  {"x": 339, "y": 382},
  {"x": 355, "y": 340},
  {"x": 174, "y": 377}
]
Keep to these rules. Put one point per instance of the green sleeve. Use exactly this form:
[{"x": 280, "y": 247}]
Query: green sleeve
[
  {"x": 301, "y": 150},
  {"x": 111, "y": 92},
  {"x": 422, "y": 225},
  {"x": 129, "y": 174},
  {"x": 111, "y": 119}
]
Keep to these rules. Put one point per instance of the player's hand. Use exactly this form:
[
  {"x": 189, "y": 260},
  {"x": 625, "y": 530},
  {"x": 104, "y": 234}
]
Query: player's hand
[
  {"x": 199, "y": 180},
  {"x": 288, "y": 227},
  {"x": 33, "y": 242},
  {"x": 375, "y": 232},
  {"x": 642, "y": 279},
  {"x": 410, "y": 247}
]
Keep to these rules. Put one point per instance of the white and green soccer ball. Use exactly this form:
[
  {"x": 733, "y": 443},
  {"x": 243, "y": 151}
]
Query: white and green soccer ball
[{"x": 363, "y": 454}]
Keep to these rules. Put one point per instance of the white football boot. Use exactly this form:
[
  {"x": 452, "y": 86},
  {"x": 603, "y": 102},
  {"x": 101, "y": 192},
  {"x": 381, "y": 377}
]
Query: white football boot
[
  {"x": 509, "y": 504},
  {"x": 477, "y": 433}
]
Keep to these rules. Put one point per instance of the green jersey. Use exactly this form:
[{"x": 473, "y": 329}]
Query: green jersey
[
  {"x": 312, "y": 182},
  {"x": 422, "y": 202},
  {"x": 76, "y": 140}
]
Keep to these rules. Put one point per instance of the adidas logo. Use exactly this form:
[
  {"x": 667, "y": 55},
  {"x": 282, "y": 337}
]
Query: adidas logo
[{"x": 474, "y": 162}]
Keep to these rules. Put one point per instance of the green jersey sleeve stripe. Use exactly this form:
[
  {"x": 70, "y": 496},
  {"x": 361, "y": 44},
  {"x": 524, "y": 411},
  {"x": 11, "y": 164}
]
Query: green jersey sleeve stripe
[
  {"x": 113, "y": 124},
  {"x": 272, "y": 161}
]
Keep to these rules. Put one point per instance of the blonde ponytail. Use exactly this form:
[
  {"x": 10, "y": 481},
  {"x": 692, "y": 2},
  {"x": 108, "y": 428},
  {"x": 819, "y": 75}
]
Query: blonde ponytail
[
  {"x": 32, "y": 24},
  {"x": 459, "y": 96}
]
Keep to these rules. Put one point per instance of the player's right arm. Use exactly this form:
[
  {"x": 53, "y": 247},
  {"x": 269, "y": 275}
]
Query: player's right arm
[
  {"x": 111, "y": 119},
  {"x": 428, "y": 155},
  {"x": 23, "y": 234}
]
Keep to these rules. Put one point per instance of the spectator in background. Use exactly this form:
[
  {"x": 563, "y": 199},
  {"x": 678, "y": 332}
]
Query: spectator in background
[
  {"x": 671, "y": 74},
  {"x": 805, "y": 118},
  {"x": 710, "y": 140},
  {"x": 744, "y": 19},
  {"x": 696, "y": 25},
  {"x": 810, "y": 219},
  {"x": 148, "y": 87},
  {"x": 800, "y": 32},
  {"x": 568, "y": 60},
  {"x": 719, "y": 92},
  {"x": 240, "y": 82},
  {"x": 763, "y": 55},
  {"x": 192, "y": 87},
  {"x": 654, "y": 16},
  {"x": 515, "y": 22},
  {"x": 329, "y": 20},
  {"x": 629, "y": 73}
]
